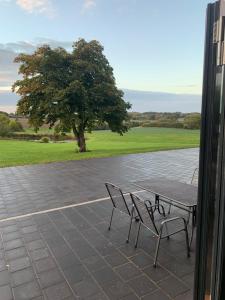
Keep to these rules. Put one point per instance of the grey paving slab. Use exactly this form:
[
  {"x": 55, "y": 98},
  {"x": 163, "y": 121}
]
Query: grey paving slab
[{"x": 28, "y": 189}]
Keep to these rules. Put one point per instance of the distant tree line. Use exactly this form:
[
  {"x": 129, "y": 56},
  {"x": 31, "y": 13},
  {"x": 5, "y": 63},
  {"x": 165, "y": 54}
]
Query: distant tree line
[
  {"x": 12, "y": 123},
  {"x": 168, "y": 120}
]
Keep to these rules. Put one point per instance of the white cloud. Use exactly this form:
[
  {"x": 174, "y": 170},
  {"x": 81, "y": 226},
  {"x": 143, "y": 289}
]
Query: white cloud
[
  {"x": 9, "y": 69},
  {"x": 34, "y": 6},
  {"x": 88, "y": 4},
  {"x": 8, "y": 108},
  {"x": 4, "y": 89}
]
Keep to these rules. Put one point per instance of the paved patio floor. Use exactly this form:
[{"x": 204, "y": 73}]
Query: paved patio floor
[
  {"x": 29, "y": 189},
  {"x": 69, "y": 253}
]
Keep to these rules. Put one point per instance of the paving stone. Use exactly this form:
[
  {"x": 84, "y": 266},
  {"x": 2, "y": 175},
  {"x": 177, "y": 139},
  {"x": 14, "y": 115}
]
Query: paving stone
[
  {"x": 142, "y": 285},
  {"x": 15, "y": 253},
  {"x": 129, "y": 250},
  {"x": 11, "y": 236},
  {"x": 50, "y": 278},
  {"x": 10, "y": 228},
  {"x": 84, "y": 250},
  {"x": 75, "y": 274},
  {"x": 44, "y": 265},
  {"x": 156, "y": 274},
  {"x": 39, "y": 254},
  {"x": 189, "y": 279},
  {"x": 104, "y": 275},
  {"x": 27, "y": 291},
  {"x": 117, "y": 289},
  {"x": 86, "y": 288},
  {"x": 29, "y": 229},
  {"x": 142, "y": 260},
  {"x": 98, "y": 296},
  {"x": 131, "y": 297},
  {"x": 128, "y": 271},
  {"x": 186, "y": 296},
  {"x": 68, "y": 261},
  {"x": 4, "y": 277},
  {"x": 3, "y": 265},
  {"x": 32, "y": 236},
  {"x": 158, "y": 295},
  {"x": 61, "y": 250},
  {"x": 34, "y": 245},
  {"x": 173, "y": 287},
  {"x": 19, "y": 264},
  {"x": 23, "y": 276},
  {"x": 13, "y": 244},
  {"x": 94, "y": 263},
  {"x": 58, "y": 292},
  {"x": 179, "y": 268},
  {"x": 116, "y": 259},
  {"x": 6, "y": 293}
]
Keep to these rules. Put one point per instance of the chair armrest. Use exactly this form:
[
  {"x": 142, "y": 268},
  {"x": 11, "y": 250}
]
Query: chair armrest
[{"x": 174, "y": 219}]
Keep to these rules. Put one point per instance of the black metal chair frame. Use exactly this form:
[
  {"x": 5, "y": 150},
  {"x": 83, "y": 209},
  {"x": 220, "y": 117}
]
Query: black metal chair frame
[
  {"x": 194, "y": 174},
  {"x": 129, "y": 212},
  {"x": 150, "y": 210}
]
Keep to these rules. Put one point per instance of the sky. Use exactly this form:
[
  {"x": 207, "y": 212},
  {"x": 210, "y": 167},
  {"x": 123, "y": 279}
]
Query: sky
[{"x": 155, "y": 47}]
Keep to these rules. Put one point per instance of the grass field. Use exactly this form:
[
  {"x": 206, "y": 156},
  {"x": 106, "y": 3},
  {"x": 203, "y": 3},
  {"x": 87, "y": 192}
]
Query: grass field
[{"x": 100, "y": 144}]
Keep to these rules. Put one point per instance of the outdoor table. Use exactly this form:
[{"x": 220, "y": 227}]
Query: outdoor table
[{"x": 178, "y": 194}]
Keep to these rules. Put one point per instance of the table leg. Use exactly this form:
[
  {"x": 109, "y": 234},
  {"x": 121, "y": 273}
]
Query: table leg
[
  {"x": 193, "y": 223},
  {"x": 157, "y": 207}
]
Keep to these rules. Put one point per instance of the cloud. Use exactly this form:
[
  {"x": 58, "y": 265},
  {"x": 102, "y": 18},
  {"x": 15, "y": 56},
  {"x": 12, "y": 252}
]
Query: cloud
[
  {"x": 143, "y": 101},
  {"x": 37, "y": 6},
  {"x": 8, "y": 52},
  {"x": 88, "y": 4},
  {"x": 30, "y": 46},
  {"x": 8, "y": 108},
  {"x": 34, "y": 6}
]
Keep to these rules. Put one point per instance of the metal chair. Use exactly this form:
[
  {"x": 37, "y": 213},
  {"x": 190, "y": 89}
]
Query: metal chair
[
  {"x": 147, "y": 216},
  {"x": 194, "y": 179},
  {"x": 120, "y": 203}
]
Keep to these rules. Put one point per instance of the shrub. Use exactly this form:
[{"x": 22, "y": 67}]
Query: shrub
[
  {"x": 192, "y": 121},
  {"x": 15, "y": 126},
  {"x": 4, "y": 125},
  {"x": 45, "y": 139}
]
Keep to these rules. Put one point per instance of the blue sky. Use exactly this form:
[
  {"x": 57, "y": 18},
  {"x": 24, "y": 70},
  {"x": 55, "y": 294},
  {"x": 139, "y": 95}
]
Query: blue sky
[{"x": 153, "y": 46}]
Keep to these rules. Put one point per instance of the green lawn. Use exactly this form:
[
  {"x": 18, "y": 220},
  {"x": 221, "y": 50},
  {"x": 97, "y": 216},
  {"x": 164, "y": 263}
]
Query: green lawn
[{"x": 100, "y": 144}]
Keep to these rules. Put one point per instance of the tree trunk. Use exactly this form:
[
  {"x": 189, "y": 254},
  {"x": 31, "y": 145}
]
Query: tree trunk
[
  {"x": 81, "y": 142},
  {"x": 80, "y": 139}
]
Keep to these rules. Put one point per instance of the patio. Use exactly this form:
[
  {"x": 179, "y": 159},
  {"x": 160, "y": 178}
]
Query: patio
[{"x": 69, "y": 253}]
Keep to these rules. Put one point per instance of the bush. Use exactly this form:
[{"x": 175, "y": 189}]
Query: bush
[
  {"x": 163, "y": 123},
  {"x": 192, "y": 121},
  {"x": 45, "y": 140},
  {"x": 15, "y": 126},
  {"x": 4, "y": 125}
]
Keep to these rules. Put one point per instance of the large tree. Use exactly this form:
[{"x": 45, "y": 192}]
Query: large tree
[{"x": 75, "y": 90}]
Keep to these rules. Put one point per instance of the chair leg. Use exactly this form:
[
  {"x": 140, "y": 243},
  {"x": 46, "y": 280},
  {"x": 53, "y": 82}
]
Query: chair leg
[
  {"x": 137, "y": 237},
  {"x": 110, "y": 223},
  {"x": 187, "y": 240},
  {"x": 167, "y": 232},
  {"x": 157, "y": 248},
  {"x": 188, "y": 218},
  {"x": 131, "y": 220},
  {"x": 169, "y": 210}
]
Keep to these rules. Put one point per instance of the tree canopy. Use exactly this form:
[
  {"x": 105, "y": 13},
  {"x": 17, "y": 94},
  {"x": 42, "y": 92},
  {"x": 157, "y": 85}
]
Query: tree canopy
[{"x": 74, "y": 90}]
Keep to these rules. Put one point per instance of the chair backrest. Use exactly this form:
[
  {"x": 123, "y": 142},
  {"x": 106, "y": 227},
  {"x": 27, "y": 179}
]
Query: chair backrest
[
  {"x": 117, "y": 198},
  {"x": 145, "y": 212},
  {"x": 194, "y": 179}
]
